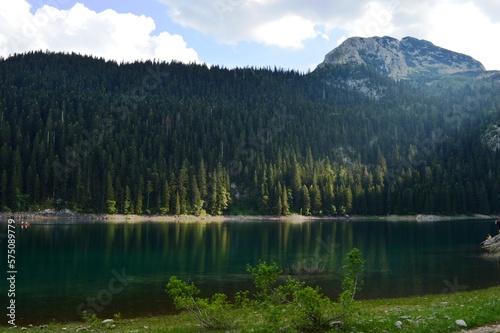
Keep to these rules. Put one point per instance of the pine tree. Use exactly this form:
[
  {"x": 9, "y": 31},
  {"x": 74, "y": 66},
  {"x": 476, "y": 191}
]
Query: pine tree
[
  {"x": 285, "y": 208},
  {"x": 306, "y": 201},
  {"x": 165, "y": 209},
  {"x": 119, "y": 194},
  {"x": 139, "y": 196},
  {"x": 264, "y": 195},
  {"x": 316, "y": 203},
  {"x": 278, "y": 206},
  {"x": 110, "y": 196},
  {"x": 429, "y": 207},
  {"x": 213, "y": 202},
  {"x": 177, "y": 203},
  {"x": 296, "y": 187},
  {"x": 196, "y": 202},
  {"x": 128, "y": 205},
  {"x": 348, "y": 204},
  {"x": 182, "y": 187},
  {"x": 223, "y": 184},
  {"x": 149, "y": 190},
  {"x": 16, "y": 181},
  {"x": 202, "y": 179},
  {"x": 20, "y": 201}
]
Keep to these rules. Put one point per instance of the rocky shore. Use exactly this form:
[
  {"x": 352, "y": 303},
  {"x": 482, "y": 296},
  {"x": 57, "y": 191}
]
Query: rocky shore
[{"x": 66, "y": 214}]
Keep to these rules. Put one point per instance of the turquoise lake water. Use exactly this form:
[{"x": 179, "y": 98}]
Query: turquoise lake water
[{"x": 65, "y": 268}]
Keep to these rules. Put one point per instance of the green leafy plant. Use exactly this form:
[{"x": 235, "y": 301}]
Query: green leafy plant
[
  {"x": 292, "y": 304},
  {"x": 91, "y": 319},
  {"x": 352, "y": 283},
  {"x": 212, "y": 313},
  {"x": 281, "y": 303},
  {"x": 241, "y": 299},
  {"x": 266, "y": 281},
  {"x": 313, "y": 311}
]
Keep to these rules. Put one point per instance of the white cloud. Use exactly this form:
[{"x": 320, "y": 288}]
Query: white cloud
[
  {"x": 477, "y": 38},
  {"x": 469, "y": 27},
  {"x": 375, "y": 20},
  {"x": 466, "y": 26},
  {"x": 289, "y": 31},
  {"x": 284, "y": 23},
  {"x": 108, "y": 34}
]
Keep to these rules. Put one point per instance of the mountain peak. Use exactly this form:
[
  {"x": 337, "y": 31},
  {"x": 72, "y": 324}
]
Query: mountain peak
[{"x": 401, "y": 58}]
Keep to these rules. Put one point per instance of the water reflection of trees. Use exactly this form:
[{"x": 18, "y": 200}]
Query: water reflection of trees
[{"x": 397, "y": 254}]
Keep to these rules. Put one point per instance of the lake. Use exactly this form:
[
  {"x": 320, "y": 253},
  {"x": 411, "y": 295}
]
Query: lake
[{"x": 67, "y": 267}]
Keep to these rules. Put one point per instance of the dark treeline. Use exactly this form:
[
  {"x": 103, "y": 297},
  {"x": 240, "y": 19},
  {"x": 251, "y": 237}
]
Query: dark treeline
[{"x": 96, "y": 136}]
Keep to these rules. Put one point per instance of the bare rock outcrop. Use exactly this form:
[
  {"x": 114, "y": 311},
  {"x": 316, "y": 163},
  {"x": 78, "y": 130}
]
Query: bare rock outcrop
[
  {"x": 400, "y": 59},
  {"x": 492, "y": 244}
]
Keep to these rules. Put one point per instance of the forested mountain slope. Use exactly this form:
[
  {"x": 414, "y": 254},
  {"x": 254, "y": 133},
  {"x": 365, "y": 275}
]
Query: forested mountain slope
[{"x": 96, "y": 136}]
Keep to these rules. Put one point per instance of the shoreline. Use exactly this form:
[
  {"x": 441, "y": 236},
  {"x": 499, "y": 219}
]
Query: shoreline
[
  {"x": 438, "y": 312},
  {"x": 116, "y": 218}
]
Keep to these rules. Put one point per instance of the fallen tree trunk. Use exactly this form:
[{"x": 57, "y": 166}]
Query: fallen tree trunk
[{"x": 492, "y": 244}]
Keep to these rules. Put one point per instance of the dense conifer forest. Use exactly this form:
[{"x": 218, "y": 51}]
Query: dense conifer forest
[{"x": 167, "y": 138}]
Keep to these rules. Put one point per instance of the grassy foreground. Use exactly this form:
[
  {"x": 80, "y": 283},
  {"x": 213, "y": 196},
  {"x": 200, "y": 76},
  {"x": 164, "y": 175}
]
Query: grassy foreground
[{"x": 432, "y": 313}]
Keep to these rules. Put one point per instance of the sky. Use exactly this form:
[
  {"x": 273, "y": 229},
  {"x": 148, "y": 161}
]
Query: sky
[{"x": 288, "y": 34}]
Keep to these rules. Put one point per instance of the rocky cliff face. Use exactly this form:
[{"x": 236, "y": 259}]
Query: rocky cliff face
[{"x": 401, "y": 58}]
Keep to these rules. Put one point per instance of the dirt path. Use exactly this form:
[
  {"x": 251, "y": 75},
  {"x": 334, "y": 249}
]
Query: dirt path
[{"x": 485, "y": 329}]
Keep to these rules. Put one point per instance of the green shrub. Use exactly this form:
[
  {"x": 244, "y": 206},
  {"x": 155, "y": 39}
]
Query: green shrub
[
  {"x": 353, "y": 271},
  {"x": 91, "y": 319},
  {"x": 265, "y": 279},
  {"x": 312, "y": 311},
  {"x": 280, "y": 304},
  {"x": 211, "y": 313}
]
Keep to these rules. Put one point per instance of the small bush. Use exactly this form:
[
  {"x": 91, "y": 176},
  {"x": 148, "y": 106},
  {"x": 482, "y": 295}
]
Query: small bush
[
  {"x": 313, "y": 311},
  {"x": 279, "y": 304},
  {"x": 292, "y": 304},
  {"x": 91, "y": 319},
  {"x": 211, "y": 313},
  {"x": 352, "y": 283}
]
